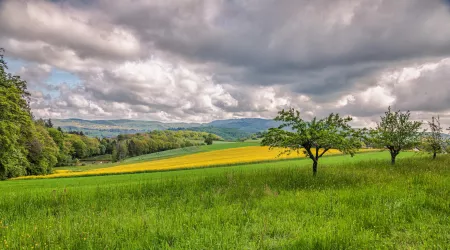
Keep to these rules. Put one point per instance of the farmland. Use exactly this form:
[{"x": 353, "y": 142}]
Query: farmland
[
  {"x": 206, "y": 159},
  {"x": 224, "y": 124},
  {"x": 355, "y": 203}
]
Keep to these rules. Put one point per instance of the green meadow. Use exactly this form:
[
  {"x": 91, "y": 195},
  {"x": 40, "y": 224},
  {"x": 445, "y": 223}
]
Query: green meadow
[{"x": 353, "y": 203}]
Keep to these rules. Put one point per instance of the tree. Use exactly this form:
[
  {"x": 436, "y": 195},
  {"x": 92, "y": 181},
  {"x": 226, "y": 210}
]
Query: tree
[
  {"x": 434, "y": 142},
  {"x": 16, "y": 124},
  {"x": 396, "y": 132},
  {"x": 209, "y": 139},
  {"x": 120, "y": 151},
  {"x": 43, "y": 152},
  {"x": 49, "y": 123},
  {"x": 64, "y": 155},
  {"x": 79, "y": 148},
  {"x": 315, "y": 137}
]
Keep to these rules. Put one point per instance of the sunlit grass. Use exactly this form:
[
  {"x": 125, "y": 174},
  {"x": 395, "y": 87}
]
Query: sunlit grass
[{"x": 353, "y": 203}]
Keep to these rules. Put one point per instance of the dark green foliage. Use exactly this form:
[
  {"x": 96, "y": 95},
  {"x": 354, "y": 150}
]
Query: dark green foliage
[
  {"x": 396, "y": 132},
  {"x": 129, "y": 145},
  {"x": 49, "y": 123},
  {"x": 228, "y": 134},
  {"x": 120, "y": 151},
  {"x": 15, "y": 122},
  {"x": 315, "y": 138},
  {"x": 25, "y": 147},
  {"x": 42, "y": 152},
  {"x": 209, "y": 139}
]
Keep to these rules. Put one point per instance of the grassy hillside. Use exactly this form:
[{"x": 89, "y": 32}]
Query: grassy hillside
[{"x": 353, "y": 203}]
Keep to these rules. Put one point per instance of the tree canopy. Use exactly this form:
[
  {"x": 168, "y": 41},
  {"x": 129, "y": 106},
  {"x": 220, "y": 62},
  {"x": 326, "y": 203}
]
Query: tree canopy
[
  {"x": 396, "y": 132},
  {"x": 315, "y": 137},
  {"x": 434, "y": 142},
  {"x": 25, "y": 147}
]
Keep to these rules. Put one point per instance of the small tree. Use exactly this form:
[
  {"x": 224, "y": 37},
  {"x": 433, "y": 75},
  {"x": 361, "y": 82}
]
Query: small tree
[
  {"x": 48, "y": 123},
  {"x": 315, "y": 137},
  {"x": 209, "y": 139},
  {"x": 434, "y": 142},
  {"x": 396, "y": 132}
]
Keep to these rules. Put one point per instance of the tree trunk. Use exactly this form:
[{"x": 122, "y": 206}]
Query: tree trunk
[
  {"x": 434, "y": 155},
  {"x": 315, "y": 168},
  {"x": 393, "y": 155}
]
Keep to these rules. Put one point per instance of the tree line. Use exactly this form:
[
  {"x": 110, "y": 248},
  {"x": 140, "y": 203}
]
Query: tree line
[
  {"x": 129, "y": 145},
  {"x": 395, "y": 132}
]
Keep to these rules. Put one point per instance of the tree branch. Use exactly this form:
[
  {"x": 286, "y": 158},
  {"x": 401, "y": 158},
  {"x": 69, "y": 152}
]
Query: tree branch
[{"x": 324, "y": 151}]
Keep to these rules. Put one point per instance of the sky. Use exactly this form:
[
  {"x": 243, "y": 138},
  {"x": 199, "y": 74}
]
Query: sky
[{"x": 200, "y": 60}]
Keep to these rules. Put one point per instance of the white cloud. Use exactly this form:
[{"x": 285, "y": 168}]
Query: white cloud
[{"x": 86, "y": 32}]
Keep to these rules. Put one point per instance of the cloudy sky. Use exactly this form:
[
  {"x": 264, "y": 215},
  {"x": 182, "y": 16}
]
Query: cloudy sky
[{"x": 197, "y": 61}]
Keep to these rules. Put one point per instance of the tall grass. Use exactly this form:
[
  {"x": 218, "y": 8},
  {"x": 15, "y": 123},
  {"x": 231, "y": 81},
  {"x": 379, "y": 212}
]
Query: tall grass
[{"x": 363, "y": 205}]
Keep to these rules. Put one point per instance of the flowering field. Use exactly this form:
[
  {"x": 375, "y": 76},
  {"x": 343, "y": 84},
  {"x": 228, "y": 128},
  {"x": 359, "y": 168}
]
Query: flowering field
[{"x": 205, "y": 159}]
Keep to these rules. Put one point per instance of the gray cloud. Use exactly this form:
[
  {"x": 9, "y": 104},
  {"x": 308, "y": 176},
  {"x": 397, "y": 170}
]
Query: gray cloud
[
  {"x": 200, "y": 60},
  {"x": 274, "y": 36}
]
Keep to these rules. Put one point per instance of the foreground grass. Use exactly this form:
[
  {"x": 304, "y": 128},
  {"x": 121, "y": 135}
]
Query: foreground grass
[{"x": 364, "y": 204}]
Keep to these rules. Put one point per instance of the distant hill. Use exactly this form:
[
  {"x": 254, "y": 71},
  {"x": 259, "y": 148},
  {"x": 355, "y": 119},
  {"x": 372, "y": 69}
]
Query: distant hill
[
  {"x": 229, "y": 134},
  {"x": 228, "y": 129},
  {"x": 250, "y": 125},
  {"x": 110, "y": 128}
]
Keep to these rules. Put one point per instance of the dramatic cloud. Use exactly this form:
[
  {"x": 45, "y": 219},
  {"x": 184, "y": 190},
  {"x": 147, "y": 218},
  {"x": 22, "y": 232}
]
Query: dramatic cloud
[{"x": 197, "y": 60}]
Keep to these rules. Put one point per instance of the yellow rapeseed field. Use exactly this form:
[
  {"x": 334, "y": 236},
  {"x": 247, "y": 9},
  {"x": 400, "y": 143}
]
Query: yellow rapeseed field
[{"x": 205, "y": 159}]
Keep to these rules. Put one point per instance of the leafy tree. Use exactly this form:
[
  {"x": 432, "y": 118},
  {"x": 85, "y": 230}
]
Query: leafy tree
[
  {"x": 13, "y": 160},
  {"x": 79, "y": 148},
  {"x": 43, "y": 152},
  {"x": 209, "y": 139},
  {"x": 108, "y": 145},
  {"x": 64, "y": 155},
  {"x": 396, "y": 132},
  {"x": 315, "y": 137},
  {"x": 49, "y": 123},
  {"x": 16, "y": 125},
  {"x": 92, "y": 145},
  {"x": 434, "y": 142},
  {"x": 120, "y": 151}
]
